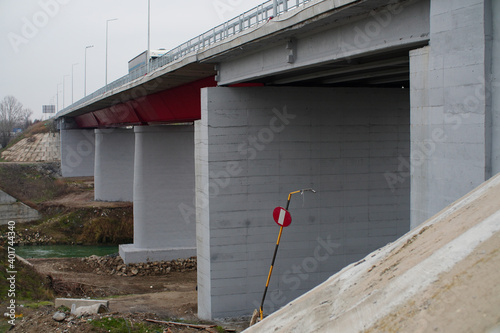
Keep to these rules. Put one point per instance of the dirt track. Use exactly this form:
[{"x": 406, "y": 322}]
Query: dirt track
[{"x": 171, "y": 295}]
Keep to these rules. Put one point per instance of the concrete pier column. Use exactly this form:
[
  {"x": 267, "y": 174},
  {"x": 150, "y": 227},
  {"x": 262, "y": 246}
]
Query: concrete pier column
[
  {"x": 453, "y": 146},
  {"x": 495, "y": 88},
  {"x": 253, "y": 146},
  {"x": 114, "y": 164},
  {"x": 163, "y": 184},
  {"x": 77, "y": 152}
]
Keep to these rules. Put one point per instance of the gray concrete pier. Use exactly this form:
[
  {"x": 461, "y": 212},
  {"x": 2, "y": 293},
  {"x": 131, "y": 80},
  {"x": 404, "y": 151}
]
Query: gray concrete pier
[{"x": 163, "y": 180}]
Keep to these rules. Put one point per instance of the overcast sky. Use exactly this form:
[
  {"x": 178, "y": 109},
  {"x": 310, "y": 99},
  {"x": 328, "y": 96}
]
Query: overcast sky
[{"x": 41, "y": 40}]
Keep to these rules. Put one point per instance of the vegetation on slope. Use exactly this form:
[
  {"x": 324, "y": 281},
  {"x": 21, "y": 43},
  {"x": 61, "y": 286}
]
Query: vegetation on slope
[
  {"x": 40, "y": 127},
  {"x": 32, "y": 183}
]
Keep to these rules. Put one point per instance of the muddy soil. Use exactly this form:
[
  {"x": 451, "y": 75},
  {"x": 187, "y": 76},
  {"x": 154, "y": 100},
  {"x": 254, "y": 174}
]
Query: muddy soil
[{"x": 171, "y": 296}]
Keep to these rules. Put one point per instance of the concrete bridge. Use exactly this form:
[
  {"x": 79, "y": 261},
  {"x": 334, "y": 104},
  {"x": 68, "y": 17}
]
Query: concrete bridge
[{"x": 389, "y": 109}]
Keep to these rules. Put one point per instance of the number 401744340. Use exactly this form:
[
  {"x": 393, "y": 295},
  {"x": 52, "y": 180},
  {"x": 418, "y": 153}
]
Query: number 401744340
[{"x": 11, "y": 234}]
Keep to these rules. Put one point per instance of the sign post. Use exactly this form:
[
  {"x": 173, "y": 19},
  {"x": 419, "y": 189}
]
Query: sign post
[
  {"x": 48, "y": 109},
  {"x": 283, "y": 218}
]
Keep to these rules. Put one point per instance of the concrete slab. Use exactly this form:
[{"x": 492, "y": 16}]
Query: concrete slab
[
  {"x": 13, "y": 210},
  {"x": 132, "y": 254},
  {"x": 77, "y": 302}
]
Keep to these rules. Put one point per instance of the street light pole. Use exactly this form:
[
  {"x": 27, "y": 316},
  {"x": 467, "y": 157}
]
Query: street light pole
[
  {"x": 64, "y": 90},
  {"x": 107, "y": 49},
  {"x": 85, "y": 72},
  {"x": 149, "y": 36},
  {"x": 72, "y": 72},
  {"x": 57, "y": 94}
]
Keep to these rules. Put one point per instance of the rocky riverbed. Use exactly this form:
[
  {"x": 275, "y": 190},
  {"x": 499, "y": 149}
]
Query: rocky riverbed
[{"x": 114, "y": 265}]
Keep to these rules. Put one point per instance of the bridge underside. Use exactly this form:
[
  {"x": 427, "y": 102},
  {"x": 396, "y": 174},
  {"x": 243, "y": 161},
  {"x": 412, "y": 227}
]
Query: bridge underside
[
  {"x": 368, "y": 107},
  {"x": 179, "y": 104}
]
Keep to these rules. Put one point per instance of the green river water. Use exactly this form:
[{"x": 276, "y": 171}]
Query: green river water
[{"x": 64, "y": 251}]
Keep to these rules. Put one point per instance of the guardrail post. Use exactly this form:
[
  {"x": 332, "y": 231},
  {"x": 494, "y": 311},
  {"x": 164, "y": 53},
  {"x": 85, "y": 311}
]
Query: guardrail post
[
  {"x": 275, "y": 8},
  {"x": 285, "y": 6}
]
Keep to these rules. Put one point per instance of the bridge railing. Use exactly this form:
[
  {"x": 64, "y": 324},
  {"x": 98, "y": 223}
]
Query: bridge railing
[{"x": 251, "y": 18}]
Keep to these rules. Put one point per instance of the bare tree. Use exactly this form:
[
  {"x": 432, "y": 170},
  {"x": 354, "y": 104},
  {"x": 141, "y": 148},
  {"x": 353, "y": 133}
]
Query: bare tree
[{"x": 12, "y": 114}]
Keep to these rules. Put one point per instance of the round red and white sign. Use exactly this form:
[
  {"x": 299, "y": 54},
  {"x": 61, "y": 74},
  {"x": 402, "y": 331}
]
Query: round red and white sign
[{"x": 282, "y": 217}]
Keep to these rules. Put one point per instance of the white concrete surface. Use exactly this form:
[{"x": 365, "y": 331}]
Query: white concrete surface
[
  {"x": 322, "y": 310},
  {"x": 451, "y": 111},
  {"x": 253, "y": 147},
  {"x": 163, "y": 182},
  {"x": 13, "y": 210},
  {"x": 77, "y": 152},
  {"x": 114, "y": 164}
]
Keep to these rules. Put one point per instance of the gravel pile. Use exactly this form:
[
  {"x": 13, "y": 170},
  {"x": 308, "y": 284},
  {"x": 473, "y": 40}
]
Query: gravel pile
[{"x": 114, "y": 265}]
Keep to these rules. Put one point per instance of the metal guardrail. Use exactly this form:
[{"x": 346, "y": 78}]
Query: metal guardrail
[{"x": 251, "y": 18}]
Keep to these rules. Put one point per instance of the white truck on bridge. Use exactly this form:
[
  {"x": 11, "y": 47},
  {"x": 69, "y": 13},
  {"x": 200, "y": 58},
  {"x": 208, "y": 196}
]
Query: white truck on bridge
[{"x": 140, "y": 60}]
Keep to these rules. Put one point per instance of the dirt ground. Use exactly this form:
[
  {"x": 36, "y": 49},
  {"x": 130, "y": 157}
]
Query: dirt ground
[
  {"x": 81, "y": 195},
  {"x": 171, "y": 296},
  {"x": 136, "y": 298}
]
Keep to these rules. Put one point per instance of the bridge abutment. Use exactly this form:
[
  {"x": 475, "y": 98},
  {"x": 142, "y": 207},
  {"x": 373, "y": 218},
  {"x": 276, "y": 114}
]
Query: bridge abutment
[
  {"x": 114, "y": 164},
  {"x": 452, "y": 145},
  {"x": 253, "y": 147},
  {"x": 163, "y": 182}
]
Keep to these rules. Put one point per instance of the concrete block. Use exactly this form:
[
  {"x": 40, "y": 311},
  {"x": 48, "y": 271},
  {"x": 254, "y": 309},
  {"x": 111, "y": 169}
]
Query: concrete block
[
  {"x": 69, "y": 302},
  {"x": 132, "y": 254}
]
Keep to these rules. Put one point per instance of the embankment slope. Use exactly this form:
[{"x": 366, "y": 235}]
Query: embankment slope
[{"x": 443, "y": 276}]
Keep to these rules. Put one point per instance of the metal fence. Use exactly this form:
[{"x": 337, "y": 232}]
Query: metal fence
[{"x": 251, "y": 18}]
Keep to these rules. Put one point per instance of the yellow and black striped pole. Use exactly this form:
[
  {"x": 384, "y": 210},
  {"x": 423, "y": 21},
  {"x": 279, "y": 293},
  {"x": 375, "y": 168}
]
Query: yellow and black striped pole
[{"x": 261, "y": 309}]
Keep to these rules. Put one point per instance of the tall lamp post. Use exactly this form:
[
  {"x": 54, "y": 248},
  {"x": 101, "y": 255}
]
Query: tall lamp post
[
  {"x": 57, "y": 96},
  {"x": 85, "y": 71},
  {"x": 64, "y": 90},
  {"x": 107, "y": 21},
  {"x": 72, "y": 74},
  {"x": 149, "y": 36}
]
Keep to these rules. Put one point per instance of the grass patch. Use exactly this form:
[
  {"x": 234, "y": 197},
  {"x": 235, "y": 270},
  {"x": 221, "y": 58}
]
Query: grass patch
[
  {"x": 86, "y": 226},
  {"x": 4, "y": 326},
  {"x": 37, "y": 305},
  {"x": 122, "y": 325},
  {"x": 30, "y": 285},
  {"x": 64, "y": 308},
  {"x": 184, "y": 321},
  {"x": 32, "y": 184},
  {"x": 36, "y": 184}
]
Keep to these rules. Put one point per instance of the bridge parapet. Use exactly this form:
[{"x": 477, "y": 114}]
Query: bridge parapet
[{"x": 249, "y": 19}]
